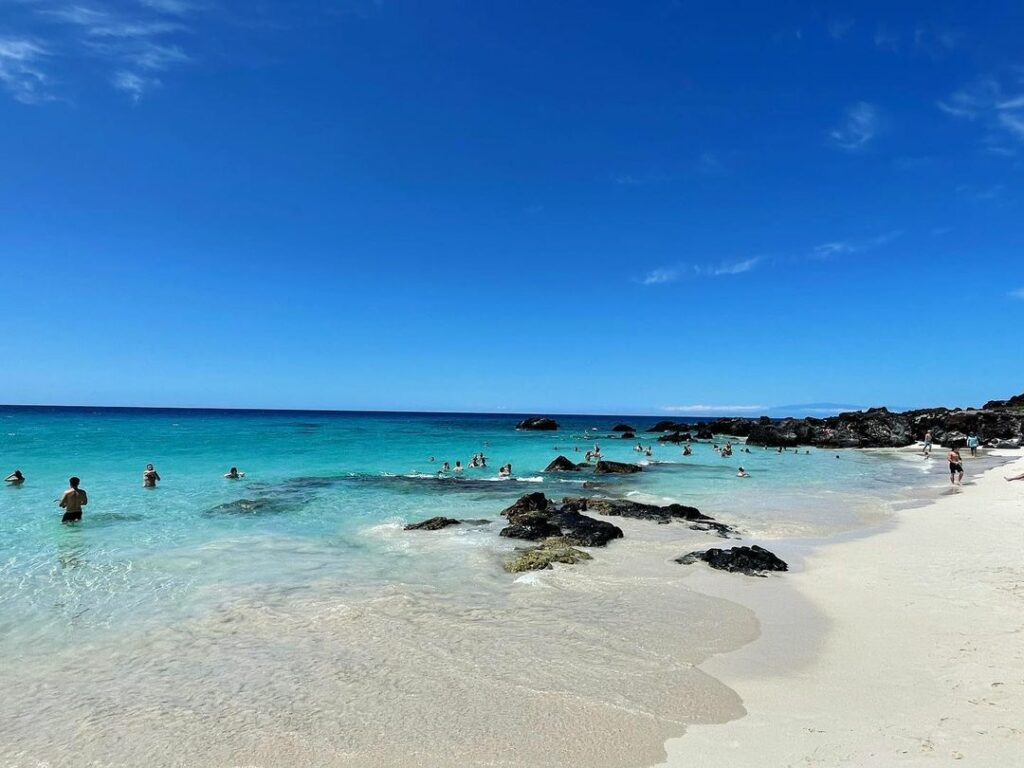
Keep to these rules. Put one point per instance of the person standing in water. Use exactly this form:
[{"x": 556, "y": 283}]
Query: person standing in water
[
  {"x": 234, "y": 474},
  {"x": 973, "y": 442},
  {"x": 15, "y": 478},
  {"x": 149, "y": 477},
  {"x": 956, "y": 467},
  {"x": 72, "y": 501}
]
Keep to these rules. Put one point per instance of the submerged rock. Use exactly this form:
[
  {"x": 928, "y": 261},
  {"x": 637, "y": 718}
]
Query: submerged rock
[
  {"x": 562, "y": 464},
  {"x": 553, "y": 550},
  {"x": 583, "y": 531},
  {"x": 615, "y": 467},
  {"x": 623, "y": 428},
  {"x": 676, "y": 437},
  {"x": 752, "y": 561},
  {"x": 261, "y": 506},
  {"x": 628, "y": 435},
  {"x": 540, "y": 423},
  {"x": 433, "y": 524}
]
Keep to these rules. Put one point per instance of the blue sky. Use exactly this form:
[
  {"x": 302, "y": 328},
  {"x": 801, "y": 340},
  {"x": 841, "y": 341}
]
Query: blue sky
[{"x": 601, "y": 207}]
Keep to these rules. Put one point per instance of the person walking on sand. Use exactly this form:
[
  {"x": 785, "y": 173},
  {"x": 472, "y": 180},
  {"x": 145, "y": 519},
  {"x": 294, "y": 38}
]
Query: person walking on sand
[
  {"x": 973, "y": 442},
  {"x": 928, "y": 443},
  {"x": 149, "y": 477},
  {"x": 956, "y": 467},
  {"x": 15, "y": 478},
  {"x": 72, "y": 501}
]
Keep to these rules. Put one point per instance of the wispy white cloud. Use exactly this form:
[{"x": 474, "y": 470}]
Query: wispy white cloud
[
  {"x": 729, "y": 267},
  {"x": 998, "y": 107},
  {"x": 861, "y": 124},
  {"x": 1017, "y": 294},
  {"x": 697, "y": 409},
  {"x": 21, "y": 73},
  {"x": 837, "y": 248},
  {"x": 136, "y": 40},
  {"x": 660, "y": 276},
  {"x": 672, "y": 274},
  {"x": 133, "y": 84}
]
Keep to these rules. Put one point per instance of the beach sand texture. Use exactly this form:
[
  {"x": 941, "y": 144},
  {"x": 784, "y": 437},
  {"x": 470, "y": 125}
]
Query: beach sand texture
[{"x": 922, "y": 657}]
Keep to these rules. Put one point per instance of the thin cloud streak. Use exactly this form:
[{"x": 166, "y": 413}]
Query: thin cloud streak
[
  {"x": 664, "y": 275},
  {"x": 1017, "y": 294}
]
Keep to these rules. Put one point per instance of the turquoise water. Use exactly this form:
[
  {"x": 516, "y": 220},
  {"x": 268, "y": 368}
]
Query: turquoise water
[
  {"x": 328, "y": 491},
  {"x": 288, "y": 619}
]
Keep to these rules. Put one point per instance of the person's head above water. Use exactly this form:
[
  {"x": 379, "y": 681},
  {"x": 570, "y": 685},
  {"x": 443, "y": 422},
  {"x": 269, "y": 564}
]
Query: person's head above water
[
  {"x": 149, "y": 467},
  {"x": 17, "y": 474},
  {"x": 74, "y": 481}
]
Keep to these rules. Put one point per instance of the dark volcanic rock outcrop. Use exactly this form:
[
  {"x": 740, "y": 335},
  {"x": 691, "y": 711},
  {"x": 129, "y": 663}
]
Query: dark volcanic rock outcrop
[
  {"x": 753, "y": 561},
  {"x": 653, "y": 512},
  {"x": 561, "y": 464},
  {"x": 539, "y": 423},
  {"x": 998, "y": 420},
  {"x": 628, "y": 435},
  {"x": 534, "y": 517},
  {"x": 433, "y": 524},
  {"x": 615, "y": 468},
  {"x": 623, "y": 428},
  {"x": 676, "y": 437}
]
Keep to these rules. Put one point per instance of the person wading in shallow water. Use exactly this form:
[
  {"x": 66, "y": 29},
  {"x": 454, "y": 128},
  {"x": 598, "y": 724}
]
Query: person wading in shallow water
[
  {"x": 149, "y": 477},
  {"x": 72, "y": 501},
  {"x": 956, "y": 467}
]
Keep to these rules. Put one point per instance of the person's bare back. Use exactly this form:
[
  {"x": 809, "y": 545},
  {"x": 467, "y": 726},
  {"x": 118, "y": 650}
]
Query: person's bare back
[{"x": 72, "y": 501}]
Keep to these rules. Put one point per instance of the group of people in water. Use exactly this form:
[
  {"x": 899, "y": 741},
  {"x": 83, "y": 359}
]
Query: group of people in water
[
  {"x": 478, "y": 461},
  {"x": 75, "y": 497}
]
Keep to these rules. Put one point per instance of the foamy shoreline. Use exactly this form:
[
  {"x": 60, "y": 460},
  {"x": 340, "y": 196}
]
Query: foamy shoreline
[{"x": 919, "y": 659}]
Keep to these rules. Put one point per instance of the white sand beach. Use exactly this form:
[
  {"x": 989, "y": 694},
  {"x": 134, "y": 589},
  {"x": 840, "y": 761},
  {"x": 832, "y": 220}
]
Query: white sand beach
[{"x": 920, "y": 660}]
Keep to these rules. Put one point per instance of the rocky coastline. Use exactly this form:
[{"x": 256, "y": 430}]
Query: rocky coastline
[{"x": 998, "y": 424}]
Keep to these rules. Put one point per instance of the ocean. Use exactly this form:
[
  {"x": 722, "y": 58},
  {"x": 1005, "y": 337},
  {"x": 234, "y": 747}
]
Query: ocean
[{"x": 288, "y": 618}]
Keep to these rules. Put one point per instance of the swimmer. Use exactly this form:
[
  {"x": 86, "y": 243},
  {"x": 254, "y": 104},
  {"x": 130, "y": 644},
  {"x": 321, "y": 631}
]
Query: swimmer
[
  {"x": 234, "y": 474},
  {"x": 15, "y": 478},
  {"x": 505, "y": 471},
  {"x": 72, "y": 501},
  {"x": 445, "y": 467},
  {"x": 741, "y": 472},
  {"x": 687, "y": 451},
  {"x": 431, "y": 459},
  {"x": 458, "y": 466},
  {"x": 149, "y": 477},
  {"x": 648, "y": 452}
]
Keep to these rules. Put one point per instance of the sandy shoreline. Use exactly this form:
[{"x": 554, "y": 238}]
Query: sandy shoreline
[{"x": 919, "y": 659}]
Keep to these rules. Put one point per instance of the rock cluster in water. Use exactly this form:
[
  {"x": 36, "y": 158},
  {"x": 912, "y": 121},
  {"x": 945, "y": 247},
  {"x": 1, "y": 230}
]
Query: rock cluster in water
[
  {"x": 533, "y": 517},
  {"x": 752, "y": 561},
  {"x": 639, "y": 511},
  {"x": 1000, "y": 423},
  {"x": 540, "y": 423},
  {"x": 433, "y": 524},
  {"x": 553, "y": 550}
]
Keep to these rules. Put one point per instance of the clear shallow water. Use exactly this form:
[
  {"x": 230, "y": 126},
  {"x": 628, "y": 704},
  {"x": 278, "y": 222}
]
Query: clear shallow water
[{"x": 316, "y": 579}]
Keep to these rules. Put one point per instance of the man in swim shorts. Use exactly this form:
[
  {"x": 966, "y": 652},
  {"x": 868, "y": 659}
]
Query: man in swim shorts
[
  {"x": 72, "y": 501},
  {"x": 956, "y": 467}
]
